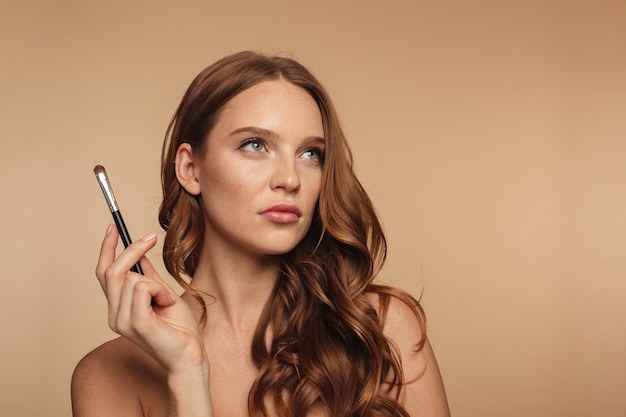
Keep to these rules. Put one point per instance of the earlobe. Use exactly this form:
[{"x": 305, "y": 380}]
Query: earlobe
[{"x": 186, "y": 169}]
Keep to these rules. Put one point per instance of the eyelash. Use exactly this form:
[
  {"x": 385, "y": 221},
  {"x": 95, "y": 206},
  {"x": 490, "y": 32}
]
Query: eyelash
[
  {"x": 319, "y": 154},
  {"x": 257, "y": 141},
  {"x": 252, "y": 141}
]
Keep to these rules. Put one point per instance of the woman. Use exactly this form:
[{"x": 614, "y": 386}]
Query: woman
[{"x": 264, "y": 214}]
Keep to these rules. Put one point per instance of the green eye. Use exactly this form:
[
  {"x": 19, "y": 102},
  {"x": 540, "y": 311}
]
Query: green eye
[
  {"x": 253, "y": 145},
  {"x": 314, "y": 154}
]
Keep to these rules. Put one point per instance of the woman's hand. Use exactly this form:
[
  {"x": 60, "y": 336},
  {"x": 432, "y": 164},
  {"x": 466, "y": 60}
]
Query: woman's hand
[{"x": 147, "y": 311}]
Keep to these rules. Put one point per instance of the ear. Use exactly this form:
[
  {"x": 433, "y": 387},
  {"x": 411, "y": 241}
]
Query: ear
[{"x": 186, "y": 169}]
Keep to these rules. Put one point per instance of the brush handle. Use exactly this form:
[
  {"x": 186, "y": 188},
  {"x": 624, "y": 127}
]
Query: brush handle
[{"x": 121, "y": 228}]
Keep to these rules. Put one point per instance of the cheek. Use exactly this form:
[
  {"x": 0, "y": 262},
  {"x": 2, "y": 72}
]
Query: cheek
[
  {"x": 225, "y": 185},
  {"x": 316, "y": 185},
  {"x": 313, "y": 191}
]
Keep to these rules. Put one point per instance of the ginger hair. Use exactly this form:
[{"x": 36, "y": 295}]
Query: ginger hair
[{"x": 327, "y": 344}]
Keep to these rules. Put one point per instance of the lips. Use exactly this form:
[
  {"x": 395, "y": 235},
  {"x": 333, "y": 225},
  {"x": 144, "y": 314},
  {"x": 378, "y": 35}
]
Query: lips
[{"x": 282, "y": 213}]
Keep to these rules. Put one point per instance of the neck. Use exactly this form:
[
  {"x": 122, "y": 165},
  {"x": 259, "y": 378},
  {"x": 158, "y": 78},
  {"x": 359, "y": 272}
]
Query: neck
[{"x": 239, "y": 284}]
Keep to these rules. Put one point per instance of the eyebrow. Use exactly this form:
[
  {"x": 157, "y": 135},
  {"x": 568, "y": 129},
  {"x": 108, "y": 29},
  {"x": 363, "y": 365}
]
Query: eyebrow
[
  {"x": 271, "y": 134},
  {"x": 253, "y": 129}
]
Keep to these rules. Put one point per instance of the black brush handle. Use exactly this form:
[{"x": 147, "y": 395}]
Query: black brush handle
[{"x": 121, "y": 228}]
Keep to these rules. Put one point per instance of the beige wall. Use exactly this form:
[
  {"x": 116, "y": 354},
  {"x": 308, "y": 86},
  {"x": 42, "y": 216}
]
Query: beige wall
[{"x": 491, "y": 136}]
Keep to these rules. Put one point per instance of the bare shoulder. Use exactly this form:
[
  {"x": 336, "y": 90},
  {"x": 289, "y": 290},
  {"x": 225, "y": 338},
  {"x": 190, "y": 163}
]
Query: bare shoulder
[
  {"x": 401, "y": 323},
  {"x": 424, "y": 393},
  {"x": 118, "y": 378}
]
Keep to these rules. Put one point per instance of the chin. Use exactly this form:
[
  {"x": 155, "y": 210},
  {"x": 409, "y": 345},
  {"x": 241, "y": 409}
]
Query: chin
[
  {"x": 279, "y": 243},
  {"x": 278, "y": 251}
]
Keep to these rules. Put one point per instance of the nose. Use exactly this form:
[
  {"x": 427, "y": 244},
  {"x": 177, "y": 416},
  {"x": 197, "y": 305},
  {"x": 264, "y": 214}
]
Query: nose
[{"x": 285, "y": 175}]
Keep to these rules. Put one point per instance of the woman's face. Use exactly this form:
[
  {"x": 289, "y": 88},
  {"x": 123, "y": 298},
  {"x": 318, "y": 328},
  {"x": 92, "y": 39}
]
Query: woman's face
[{"x": 260, "y": 175}]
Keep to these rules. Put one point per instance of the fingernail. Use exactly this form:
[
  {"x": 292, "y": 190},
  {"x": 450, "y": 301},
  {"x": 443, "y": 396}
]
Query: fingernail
[
  {"x": 172, "y": 296},
  {"x": 109, "y": 228},
  {"x": 149, "y": 237}
]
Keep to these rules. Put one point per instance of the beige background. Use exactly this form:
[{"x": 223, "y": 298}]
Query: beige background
[{"x": 491, "y": 136}]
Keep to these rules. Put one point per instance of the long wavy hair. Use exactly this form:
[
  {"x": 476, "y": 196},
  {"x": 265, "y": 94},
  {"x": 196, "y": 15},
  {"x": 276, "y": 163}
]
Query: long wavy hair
[{"x": 327, "y": 343}]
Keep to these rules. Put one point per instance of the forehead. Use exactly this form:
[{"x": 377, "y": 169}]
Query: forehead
[{"x": 276, "y": 105}]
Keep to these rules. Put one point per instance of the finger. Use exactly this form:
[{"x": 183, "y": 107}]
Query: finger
[
  {"x": 156, "y": 293},
  {"x": 118, "y": 275},
  {"x": 150, "y": 271},
  {"x": 107, "y": 254},
  {"x": 146, "y": 265},
  {"x": 112, "y": 271},
  {"x": 152, "y": 293},
  {"x": 136, "y": 304},
  {"x": 164, "y": 297},
  {"x": 131, "y": 255},
  {"x": 120, "y": 307}
]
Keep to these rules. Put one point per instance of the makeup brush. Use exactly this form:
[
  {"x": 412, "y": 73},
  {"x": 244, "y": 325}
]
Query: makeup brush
[{"x": 103, "y": 180}]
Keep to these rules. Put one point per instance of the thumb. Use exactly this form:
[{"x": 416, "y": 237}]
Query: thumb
[{"x": 163, "y": 297}]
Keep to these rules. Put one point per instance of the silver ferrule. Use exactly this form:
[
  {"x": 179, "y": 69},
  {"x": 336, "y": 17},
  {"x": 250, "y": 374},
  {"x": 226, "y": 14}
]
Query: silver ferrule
[{"x": 103, "y": 180}]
